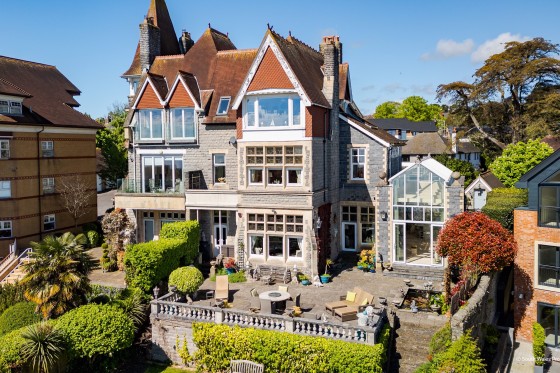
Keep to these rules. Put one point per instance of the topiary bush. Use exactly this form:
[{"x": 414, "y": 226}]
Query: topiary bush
[
  {"x": 186, "y": 279},
  {"x": 17, "y": 316},
  {"x": 538, "y": 343},
  {"x": 284, "y": 352},
  {"x": 184, "y": 230},
  {"x": 150, "y": 262},
  {"x": 501, "y": 202},
  {"x": 93, "y": 238},
  {"x": 96, "y": 330}
]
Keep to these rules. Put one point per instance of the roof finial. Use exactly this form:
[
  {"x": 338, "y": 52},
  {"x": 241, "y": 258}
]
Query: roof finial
[
  {"x": 269, "y": 26},
  {"x": 290, "y": 33},
  {"x": 209, "y": 25}
]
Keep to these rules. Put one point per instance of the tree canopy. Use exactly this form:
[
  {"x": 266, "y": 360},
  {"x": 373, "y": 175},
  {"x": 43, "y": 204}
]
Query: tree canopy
[
  {"x": 517, "y": 159},
  {"x": 110, "y": 140},
  {"x": 515, "y": 94},
  {"x": 414, "y": 108},
  {"x": 464, "y": 167}
]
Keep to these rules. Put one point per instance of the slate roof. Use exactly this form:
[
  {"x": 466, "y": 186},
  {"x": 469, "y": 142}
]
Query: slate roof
[
  {"x": 552, "y": 141},
  {"x": 48, "y": 95},
  {"x": 403, "y": 124},
  {"x": 192, "y": 84},
  {"x": 375, "y": 131},
  {"x": 491, "y": 179},
  {"x": 169, "y": 41},
  {"x": 426, "y": 143}
]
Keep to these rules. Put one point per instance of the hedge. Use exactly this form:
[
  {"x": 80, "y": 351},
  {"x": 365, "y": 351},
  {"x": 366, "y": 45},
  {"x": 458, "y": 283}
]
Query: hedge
[
  {"x": 501, "y": 202},
  {"x": 441, "y": 340},
  {"x": 150, "y": 262},
  {"x": 186, "y": 279},
  {"x": 96, "y": 330},
  {"x": 10, "y": 350},
  {"x": 284, "y": 352},
  {"x": 17, "y": 316},
  {"x": 185, "y": 230},
  {"x": 10, "y": 294},
  {"x": 538, "y": 343}
]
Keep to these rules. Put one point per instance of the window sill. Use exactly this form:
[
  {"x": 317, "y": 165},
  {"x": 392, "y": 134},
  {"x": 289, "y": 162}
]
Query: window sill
[
  {"x": 547, "y": 288},
  {"x": 274, "y": 128},
  {"x": 183, "y": 141},
  {"x": 150, "y": 141}
]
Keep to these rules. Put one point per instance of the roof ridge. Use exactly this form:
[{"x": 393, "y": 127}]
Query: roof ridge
[
  {"x": 27, "y": 61},
  {"x": 291, "y": 37},
  {"x": 232, "y": 51},
  {"x": 218, "y": 32},
  {"x": 170, "y": 56}
]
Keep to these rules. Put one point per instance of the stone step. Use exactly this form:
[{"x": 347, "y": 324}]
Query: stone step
[{"x": 416, "y": 272}]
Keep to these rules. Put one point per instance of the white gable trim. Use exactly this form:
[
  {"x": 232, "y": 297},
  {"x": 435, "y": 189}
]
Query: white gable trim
[
  {"x": 269, "y": 43},
  {"x": 367, "y": 133},
  {"x": 435, "y": 168},
  {"x": 174, "y": 87},
  {"x": 476, "y": 181},
  {"x": 141, "y": 93}
]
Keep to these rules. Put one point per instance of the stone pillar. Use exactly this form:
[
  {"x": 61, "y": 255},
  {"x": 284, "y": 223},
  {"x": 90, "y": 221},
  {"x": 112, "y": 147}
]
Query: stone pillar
[
  {"x": 150, "y": 43},
  {"x": 455, "y": 196},
  {"x": 383, "y": 229}
]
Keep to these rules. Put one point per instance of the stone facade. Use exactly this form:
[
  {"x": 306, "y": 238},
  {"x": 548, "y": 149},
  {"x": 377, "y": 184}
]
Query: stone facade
[{"x": 527, "y": 293}]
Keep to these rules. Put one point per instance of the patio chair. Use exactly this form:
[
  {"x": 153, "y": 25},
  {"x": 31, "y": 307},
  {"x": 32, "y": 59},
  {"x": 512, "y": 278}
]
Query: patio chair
[
  {"x": 255, "y": 305},
  {"x": 245, "y": 366},
  {"x": 283, "y": 288},
  {"x": 351, "y": 312},
  {"x": 222, "y": 287},
  {"x": 344, "y": 300}
]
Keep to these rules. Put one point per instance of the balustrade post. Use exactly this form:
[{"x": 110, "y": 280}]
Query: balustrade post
[
  {"x": 154, "y": 308},
  {"x": 290, "y": 326},
  {"x": 219, "y": 316}
]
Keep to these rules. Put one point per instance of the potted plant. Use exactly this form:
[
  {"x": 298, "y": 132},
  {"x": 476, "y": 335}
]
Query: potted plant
[
  {"x": 538, "y": 347},
  {"x": 303, "y": 279},
  {"x": 325, "y": 277},
  {"x": 436, "y": 302},
  {"x": 229, "y": 265}
]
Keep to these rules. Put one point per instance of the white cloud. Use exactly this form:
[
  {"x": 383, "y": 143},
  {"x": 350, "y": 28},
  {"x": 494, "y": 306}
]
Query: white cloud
[
  {"x": 493, "y": 46},
  {"x": 447, "y": 48}
]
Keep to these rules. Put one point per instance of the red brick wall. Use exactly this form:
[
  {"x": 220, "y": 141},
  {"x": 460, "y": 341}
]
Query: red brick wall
[
  {"x": 315, "y": 117},
  {"x": 180, "y": 97},
  {"x": 270, "y": 74},
  {"x": 526, "y": 232},
  {"x": 149, "y": 99}
]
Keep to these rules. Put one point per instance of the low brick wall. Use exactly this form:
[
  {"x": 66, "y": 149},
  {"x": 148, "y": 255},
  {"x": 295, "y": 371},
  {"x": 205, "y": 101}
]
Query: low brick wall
[{"x": 480, "y": 309}]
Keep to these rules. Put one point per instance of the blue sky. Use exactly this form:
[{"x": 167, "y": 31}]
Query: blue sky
[{"x": 395, "y": 48}]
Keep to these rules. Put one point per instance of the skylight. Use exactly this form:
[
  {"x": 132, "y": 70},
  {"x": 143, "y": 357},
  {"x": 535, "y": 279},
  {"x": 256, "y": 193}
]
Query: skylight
[{"x": 223, "y": 105}]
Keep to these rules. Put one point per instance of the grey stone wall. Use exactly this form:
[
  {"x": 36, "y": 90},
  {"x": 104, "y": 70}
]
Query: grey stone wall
[
  {"x": 383, "y": 231},
  {"x": 480, "y": 309},
  {"x": 283, "y": 200},
  {"x": 150, "y": 43},
  {"x": 455, "y": 199},
  {"x": 165, "y": 333}
]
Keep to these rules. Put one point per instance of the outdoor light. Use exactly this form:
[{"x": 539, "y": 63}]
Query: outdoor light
[
  {"x": 335, "y": 232},
  {"x": 156, "y": 292},
  {"x": 384, "y": 215},
  {"x": 318, "y": 223}
]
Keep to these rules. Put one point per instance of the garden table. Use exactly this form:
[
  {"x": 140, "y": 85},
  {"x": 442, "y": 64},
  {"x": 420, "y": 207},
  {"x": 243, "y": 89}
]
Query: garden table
[{"x": 269, "y": 299}]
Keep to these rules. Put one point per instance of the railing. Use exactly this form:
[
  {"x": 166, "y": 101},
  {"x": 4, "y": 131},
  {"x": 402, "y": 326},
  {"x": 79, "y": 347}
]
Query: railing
[
  {"x": 154, "y": 186},
  {"x": 19, "y": 259},
  {"x": 461, "y": 295},
  {"x": 167, "y": 307},
  {"x": 6, "y": 261}
]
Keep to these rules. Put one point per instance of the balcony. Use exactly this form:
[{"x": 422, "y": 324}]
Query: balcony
[
  {"x": 131, "y": 194},
  {"x": 211, "y": 199}
]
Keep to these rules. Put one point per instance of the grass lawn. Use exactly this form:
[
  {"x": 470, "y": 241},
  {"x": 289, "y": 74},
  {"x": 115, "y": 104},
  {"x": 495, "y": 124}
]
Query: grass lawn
[{"x": 164, "y": 369}]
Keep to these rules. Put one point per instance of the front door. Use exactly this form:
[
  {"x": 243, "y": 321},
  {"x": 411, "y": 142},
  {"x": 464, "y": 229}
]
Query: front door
[
  {"x": 220, "y": 234},
  {"x": 148, "y": 230},
  {"x": 349, "y": 236}
]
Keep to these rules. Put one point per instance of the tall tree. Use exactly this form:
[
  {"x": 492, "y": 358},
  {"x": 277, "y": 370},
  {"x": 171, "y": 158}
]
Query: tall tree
[
  {"x": 414, "y": 108},
  {"x": 389, "y": 109},
  {"x": 111, "y": 142},
  {"x": 464, "y": 167},
  {"x": 513, "y": 85},
  {"x": 56, "y": 276},
  {"x": 76, "y": 196}
]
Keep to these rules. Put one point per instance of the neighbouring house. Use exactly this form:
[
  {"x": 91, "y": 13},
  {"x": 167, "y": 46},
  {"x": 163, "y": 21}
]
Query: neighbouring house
[
  {"x": 403, "y": 128},
  {"x": 264, "y": 147},
  {"x": 43, "y": 138},
  {"x": 537, "y": 265},
  {"x": 552, "y": 141},
  {"x": 477, "y": 192},
  {"x": 432, "y": 143}
]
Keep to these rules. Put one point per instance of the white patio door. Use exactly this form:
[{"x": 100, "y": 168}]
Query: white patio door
[
  {"x": 349, "y": 236},
  {"x": 220, "y": 234}
]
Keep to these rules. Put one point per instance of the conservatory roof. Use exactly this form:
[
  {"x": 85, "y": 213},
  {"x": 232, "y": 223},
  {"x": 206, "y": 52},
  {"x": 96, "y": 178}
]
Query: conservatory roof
[{"x": 432, "y": 165}]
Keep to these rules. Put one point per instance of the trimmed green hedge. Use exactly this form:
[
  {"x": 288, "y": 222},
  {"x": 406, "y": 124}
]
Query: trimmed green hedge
[
  {"x": 10, "y": 294},
  {"x": 150, "y": 262},
  {"x": 17, "y": 316},
  {"x": 185, "y": 230},
  {"x": 10, "y": 350},
  {"x": 284, "y": 352},
  {"x": 501, "y": 202},
  {"x": 187, "y": 279},
  {"x": 538, "y": 343}
]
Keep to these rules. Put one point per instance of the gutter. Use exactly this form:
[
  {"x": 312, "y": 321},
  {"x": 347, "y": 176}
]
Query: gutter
[{"x": 39, "y": 181}]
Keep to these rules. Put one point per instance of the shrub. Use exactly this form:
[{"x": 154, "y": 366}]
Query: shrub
[
  {"x": 93, "y": 238},
  {"x": 10, "y": 294},
  {"x": 44, "y": 346},
  {"x": 538, "y": 343},
  {"x": 11, "y": 355},
  {"x": 462, "y": 356},
  {"x": 283, "y": 352},
  {"x": 185, "y": 230},
  {"x": 150, "y": 262},
  {"x": 96, "y": 330},
  {"x": 501, "y": 202},
  {"x": 17, "y": 316},
  {"x": 187, "y": 279},
  {"x": 441, "y": 340}
]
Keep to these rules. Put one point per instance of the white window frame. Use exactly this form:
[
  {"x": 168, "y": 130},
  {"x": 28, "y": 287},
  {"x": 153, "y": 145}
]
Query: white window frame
[
  {"x": 276, "y": 234},
  {"x": 6, "y": 225},
  {"x": 48, "y": 185},
  {"x": 151, "y": 111},
  {"x": 281, "y": 169},
  {"x": 352, "y": 163},
  {"x": 256, "y": 125},
  {"x": 263, "y": 237},
  {"x": 4, "y": 149},
  {"x": 16, "y": 108},
  {"x": 287, "y": 246},
  {"x": 261, "y": 169},
  {"x": 5, "y": 189},
  {"x": 174, "y": 177},
  {"x": 183, "y": 124},
  {"x": 49, "y": 219},
  {"x": 223, "y": 99},
  {"x": 47, "y": 148},
  {"x": 214, "y": 165},
  {"x": 4, "y": 106},
  {"x": 288, "y": 169}
]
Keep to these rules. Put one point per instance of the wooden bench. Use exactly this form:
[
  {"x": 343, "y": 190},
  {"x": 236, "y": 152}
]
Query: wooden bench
[
  {"x": 279, "y": 274},
  {"x": 245, "y": 366}
]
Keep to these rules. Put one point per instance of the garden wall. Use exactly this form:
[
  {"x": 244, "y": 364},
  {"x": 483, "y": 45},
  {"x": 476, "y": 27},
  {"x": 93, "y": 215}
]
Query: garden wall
[{"x": 480, "y": 309}]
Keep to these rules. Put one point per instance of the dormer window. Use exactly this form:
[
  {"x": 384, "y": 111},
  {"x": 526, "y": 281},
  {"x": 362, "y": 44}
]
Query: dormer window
[
  {"x": 15, "y": 107},
  {"x": 223, "y": 106},
  {"x": 150, "y": 122},
  {"x": 10, "y": 107},
  {"x": 4, "y": 107},
  {"x": 269, "y": 111}
]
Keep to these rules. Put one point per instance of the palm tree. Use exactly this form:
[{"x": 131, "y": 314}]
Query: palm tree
[
  {"x": 57, "y": 274},
  {"x": 43, "y": 347}
]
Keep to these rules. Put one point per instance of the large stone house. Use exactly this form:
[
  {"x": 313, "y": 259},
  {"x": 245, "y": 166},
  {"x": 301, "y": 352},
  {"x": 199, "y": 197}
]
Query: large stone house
[
  {"x": 43, "y": 139},
  {"x": 265, "y": 147},
  {"x": 537, "y": 264}
]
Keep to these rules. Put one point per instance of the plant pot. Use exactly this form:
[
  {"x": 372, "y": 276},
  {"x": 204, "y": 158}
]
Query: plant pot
[
  {"x": 305, "y": 282},
  {"x": 360, "y": 267},
  {"x": 325, "y": 279},
  {"x": 538, "y": 368},
  {"x": 435, "y": 308},
  {"x": 230, "y": 271}
]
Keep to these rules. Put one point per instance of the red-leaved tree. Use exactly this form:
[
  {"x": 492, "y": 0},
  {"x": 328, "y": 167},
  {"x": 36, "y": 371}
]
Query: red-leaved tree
[{"x": 477, "y": 243}]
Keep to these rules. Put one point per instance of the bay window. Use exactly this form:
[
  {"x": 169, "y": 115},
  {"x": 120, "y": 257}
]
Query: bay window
[
  {"x": 151, "y": 124},
  {"x": 162, "y": 174},
  {"x": 269, "y": 111},
  {"x": 275, "y": 236},
  {"x": 278, "y": 166},
  {"x": 182, "y": 124}
]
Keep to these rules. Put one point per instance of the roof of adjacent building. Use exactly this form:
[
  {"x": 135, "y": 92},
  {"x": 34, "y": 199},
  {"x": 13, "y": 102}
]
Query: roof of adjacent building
[
  {"x": 546, "y": 168},
  {"x": 552, "y": 141},
  {"x": 372, "y": 131},
  {"x": 491, "y": 179},
  {"x": 48, "y": 96},
  {"x": 427, "y": 143},
  {"x": 403, "y": 124},
  {"x": 169, "y": 44}
]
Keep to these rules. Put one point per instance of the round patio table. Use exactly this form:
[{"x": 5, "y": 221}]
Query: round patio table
[{"x": 269, "y": 300}]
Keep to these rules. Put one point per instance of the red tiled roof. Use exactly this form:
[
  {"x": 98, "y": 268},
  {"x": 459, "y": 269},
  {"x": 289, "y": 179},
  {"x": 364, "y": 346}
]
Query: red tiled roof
[
  {"x": 192, "y": 84},
  {"x": 49, "y": 95},
  {"x": 343, "y": 82},
  {"x": 169, "y": 43},
  {"x": 11, "y": 89},
  {"x": 160, "y": 84}
]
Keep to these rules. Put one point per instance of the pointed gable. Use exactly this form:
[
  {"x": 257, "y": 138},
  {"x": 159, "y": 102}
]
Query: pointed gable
[
  {"x": 148, "y": 99},
  {"x": 180, "y": 97},
  {"x": 270, "y": 74}
]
